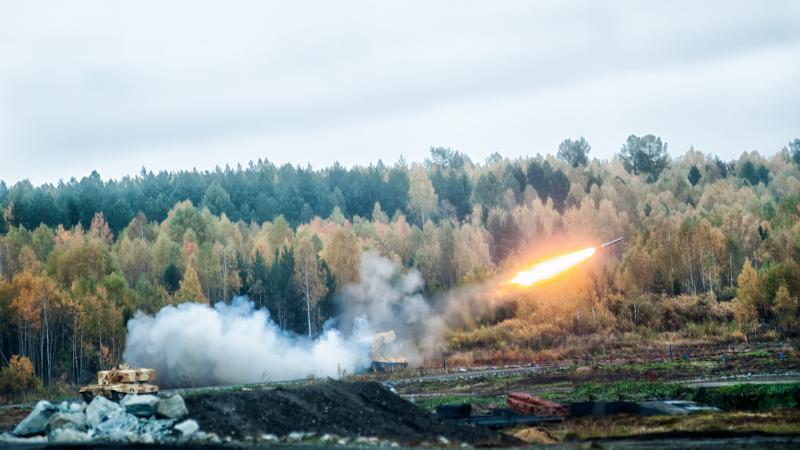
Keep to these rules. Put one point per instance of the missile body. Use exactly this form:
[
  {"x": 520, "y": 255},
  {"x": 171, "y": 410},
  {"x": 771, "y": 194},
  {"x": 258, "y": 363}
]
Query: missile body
[{"x": 610, "y": 243}]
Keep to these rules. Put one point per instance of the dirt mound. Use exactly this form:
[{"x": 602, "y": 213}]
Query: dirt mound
[
  {"x": 535, "y": 435},
  {"x": 344, "y": 409}
]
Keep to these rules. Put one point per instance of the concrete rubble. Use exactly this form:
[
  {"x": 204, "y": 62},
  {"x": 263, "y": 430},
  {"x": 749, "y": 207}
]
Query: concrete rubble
[
  {"x": 172, "y": 407},
  {"x": 37, "y": 420},
  {"x": 67, "y": 435},
  {"x": 100, "y": 410},
  {"x": 73, "y": 421},
  {"x": 187, "y": 428},
  {"x": 140, "y": 405},
  {"x": 136, "y": 419}
]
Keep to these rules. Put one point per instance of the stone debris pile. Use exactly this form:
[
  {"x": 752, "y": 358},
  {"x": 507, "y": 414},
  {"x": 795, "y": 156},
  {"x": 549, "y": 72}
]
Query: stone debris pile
[{"x": 136, "y": 419}]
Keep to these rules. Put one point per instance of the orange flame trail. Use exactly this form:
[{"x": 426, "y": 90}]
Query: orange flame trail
[{"x": 551, "y": 267}]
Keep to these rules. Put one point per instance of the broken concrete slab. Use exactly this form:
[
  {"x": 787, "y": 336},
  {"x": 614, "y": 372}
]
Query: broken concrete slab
[
  {"x": 158, "y": 429},
  {"x": 101, "y": 409},
  {"x": 172, "y": 407},
  {"x": 119, "y": 427},
  {"x": 106, "y": 421},
  {"x": 66, "y": 435},
  {"x": 72, "y": 407},
  {"x": 187, "y": 427},
  {"x": 140, "y": 405},
  {"x": 37, "y": 420},
  {"x": 75, "y": 421}
]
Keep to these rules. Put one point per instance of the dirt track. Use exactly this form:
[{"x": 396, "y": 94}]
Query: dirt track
[{"x": 344, "y": 409}]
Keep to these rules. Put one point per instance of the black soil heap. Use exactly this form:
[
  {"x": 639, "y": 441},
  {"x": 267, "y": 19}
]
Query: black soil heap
[{"x": 341, "y": 408}]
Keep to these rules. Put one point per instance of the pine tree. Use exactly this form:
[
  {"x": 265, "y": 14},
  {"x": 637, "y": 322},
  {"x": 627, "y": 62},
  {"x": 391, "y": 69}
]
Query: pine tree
[
  {"x": 576, "y": 152},
  {"x": 694, "y": 175},
  {"x": 285, "y": 303},
  {"x": 172, "y": 278}
]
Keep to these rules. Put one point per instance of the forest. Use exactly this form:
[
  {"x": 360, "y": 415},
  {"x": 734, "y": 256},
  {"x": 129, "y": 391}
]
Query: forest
[{"x": 712, "y": 249}]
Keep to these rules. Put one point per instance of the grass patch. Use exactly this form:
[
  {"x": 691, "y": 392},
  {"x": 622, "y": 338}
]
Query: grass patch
[
  {"x": 750, "y": 397},
  {"x": 755, "y": 354},
  {"x": 55, "y": 392},
  {"x": 483, "y": 337},
  {"x": 779, "y": 422},
  {"x": 623, "y": 390},
  {"x": 737, "y": 397},
  {"x": 477, "y": 402}
]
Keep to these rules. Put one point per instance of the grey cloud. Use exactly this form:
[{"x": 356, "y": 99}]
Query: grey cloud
[{"x": 90, "y": 79}]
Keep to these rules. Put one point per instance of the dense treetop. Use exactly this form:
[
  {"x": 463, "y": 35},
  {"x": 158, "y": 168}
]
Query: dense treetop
[{"x": 262, "y": 191}]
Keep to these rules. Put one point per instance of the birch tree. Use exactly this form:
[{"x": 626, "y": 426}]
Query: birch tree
[{"x": 309, "y": 277}]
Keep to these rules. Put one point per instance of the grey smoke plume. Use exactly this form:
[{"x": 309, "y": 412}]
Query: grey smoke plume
[
  {"x": 391, "y": 298},
  {"x": 194, "y": 344},
  {"x": 197, "y": 345}
]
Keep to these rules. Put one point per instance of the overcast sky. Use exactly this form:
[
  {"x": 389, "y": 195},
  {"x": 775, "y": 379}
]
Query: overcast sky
[{"x": 115, "y": 86}]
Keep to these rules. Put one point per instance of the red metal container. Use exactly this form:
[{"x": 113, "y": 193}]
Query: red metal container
[{"x": 528, "y": 405}]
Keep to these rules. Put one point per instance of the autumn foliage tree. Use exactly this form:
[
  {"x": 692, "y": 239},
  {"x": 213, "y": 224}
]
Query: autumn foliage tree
[
  {"x": 17, "y": 377},
  {"x": 708, "y": 241},
  {"x": 749, "y": 299},
  {"x": 343, "y": 255},
  {"x": 787, "y": 310},
  {"x": 190, "y": 289}
]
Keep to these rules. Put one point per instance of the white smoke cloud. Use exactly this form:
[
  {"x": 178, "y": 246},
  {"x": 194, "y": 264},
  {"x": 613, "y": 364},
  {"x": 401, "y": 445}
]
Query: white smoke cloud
[
  {"x": 194, "y": 344},
  {"x": 392, "y": 299}
]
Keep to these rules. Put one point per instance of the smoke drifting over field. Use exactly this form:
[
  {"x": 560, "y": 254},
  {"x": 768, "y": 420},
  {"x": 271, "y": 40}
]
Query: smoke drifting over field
[
  {"x": 391, "y": 299},
  {"x": 194, "y": 344}
]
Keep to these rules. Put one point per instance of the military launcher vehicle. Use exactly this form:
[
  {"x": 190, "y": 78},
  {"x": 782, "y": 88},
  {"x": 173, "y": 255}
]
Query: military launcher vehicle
[
  {"x": 119, "y": 382},
  {"x": 381, "y": 349}
]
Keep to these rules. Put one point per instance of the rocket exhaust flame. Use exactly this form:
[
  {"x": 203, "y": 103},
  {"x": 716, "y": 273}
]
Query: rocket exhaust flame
[{"x": 551, "y": 267}]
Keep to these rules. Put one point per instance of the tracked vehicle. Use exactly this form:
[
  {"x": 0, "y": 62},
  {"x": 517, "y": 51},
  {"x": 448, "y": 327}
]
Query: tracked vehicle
[
  {"x": 119, "y": 382},
  {"x": 381, "y": 347}
]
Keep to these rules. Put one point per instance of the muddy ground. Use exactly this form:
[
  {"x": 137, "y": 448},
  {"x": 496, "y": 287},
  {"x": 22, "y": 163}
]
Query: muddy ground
[
  {"x": 564, "y": 378},
  {"x": 344, "y": 409},
  {"x": 10, "y": 417},
  {"x": 369, "y": 409}
]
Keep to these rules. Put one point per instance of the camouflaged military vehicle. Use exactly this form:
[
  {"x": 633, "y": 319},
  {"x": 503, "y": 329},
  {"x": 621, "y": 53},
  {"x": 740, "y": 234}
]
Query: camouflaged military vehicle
[
  {"x": 381, "y": 348},
  {"x": 119, "y": 382}
]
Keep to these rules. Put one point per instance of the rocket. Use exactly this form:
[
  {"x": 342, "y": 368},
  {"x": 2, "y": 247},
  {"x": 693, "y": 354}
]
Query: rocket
[{"x": 612, "y": 242}]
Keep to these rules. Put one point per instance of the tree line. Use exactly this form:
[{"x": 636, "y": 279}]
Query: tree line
[{"x": 78, "y": 259}]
